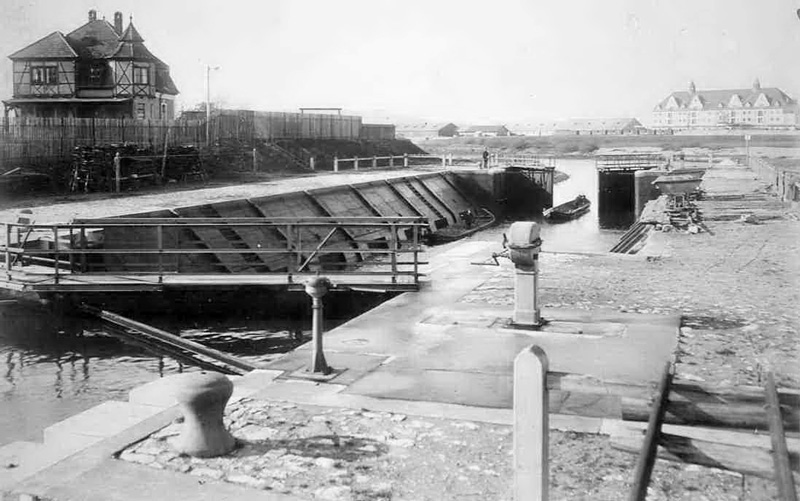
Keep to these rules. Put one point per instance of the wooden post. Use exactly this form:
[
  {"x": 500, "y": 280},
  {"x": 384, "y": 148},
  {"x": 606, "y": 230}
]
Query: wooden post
[
  {"x": 255, "y": 160},
  {"x": 335, "y": 164},
  {"x": 164, "y": 159},
  {"x": 444, "y": 161},
  {"x": 405, "y": 160},
  {"x": 56, "y": 253},
  {"x": 8, "y": 249},
  {"x": 391, "y": 161},
  {"x": 531, "y": 426},
  {"x": 117, "y": 170},
  {"x": 355, "y": 162},
  {"x": 311, "y": 163},
  {"x": 647, "y": 457},
  {"x": 374, "y": 161},
  {"x": 780, "y": 453},
  {"x": 450, "y": 159}
]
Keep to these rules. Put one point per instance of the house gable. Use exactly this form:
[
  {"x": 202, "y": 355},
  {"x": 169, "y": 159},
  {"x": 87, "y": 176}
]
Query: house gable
[{"x": 53, "y": 46}]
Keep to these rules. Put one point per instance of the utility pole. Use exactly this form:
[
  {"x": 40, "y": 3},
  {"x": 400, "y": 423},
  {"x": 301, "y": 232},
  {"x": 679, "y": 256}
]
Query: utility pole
[{"x": 208, "y": 103}]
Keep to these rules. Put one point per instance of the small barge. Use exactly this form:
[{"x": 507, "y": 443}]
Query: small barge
[
  {"x": 568, "y": 210},
  {"x": 469, "y": 224}
]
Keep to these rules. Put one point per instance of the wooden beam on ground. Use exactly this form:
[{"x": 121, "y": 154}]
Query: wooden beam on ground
[
  {"x": 780, "y": 453},
  {"x": 689, "y": 403},
  {"x": 740, "y": 452},
  {"x": 647, "y": 456}
]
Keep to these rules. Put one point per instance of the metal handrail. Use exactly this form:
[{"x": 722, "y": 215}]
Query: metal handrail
[{"x": 72, "y": 254}]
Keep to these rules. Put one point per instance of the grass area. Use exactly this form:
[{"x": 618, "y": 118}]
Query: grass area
[{"x": 587, "y": 145}]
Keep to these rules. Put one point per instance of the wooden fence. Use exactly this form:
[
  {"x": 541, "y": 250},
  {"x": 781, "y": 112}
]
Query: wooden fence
[
  {"x": 32, "y": 142},
  {"x": 26, "y": 142},
  {"x": 246, "y": 125}
]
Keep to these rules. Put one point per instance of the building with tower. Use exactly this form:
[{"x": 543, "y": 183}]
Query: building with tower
[
  {"x": 98, "y": 70},
  {"x": 756, "y": 107}
]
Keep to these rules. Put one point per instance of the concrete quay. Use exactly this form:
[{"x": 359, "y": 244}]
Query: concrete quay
[{"x": 421, "y": 406}]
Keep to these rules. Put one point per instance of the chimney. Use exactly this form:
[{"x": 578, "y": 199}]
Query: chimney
[
  {"x": 118, "y": 22},
  {"x": 756, "y": 85},
  {"x": 92, "y": 15},
  {"x": 692, "y": 88}
]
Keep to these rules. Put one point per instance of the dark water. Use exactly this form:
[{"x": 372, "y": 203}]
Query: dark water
[{"x": 52, "y": 367}]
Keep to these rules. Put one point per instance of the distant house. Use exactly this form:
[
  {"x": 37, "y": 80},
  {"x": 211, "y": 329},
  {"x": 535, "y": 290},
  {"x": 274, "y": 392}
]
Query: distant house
[
  {"x": 485, "y": 131},
  {"x": 757, "y": 107},
  {"x": 532, "y": 128},
  {"x": 97, "y": 70},
  {"x": 599, "y": 126},
  {"x": 427, "y": 130}
]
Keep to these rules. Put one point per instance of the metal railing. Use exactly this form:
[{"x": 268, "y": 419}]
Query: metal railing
[
  {"x": 525, "y": 161},
  {"x": 162, "y": 247},
  {"x": 629, "y": 161},
  {"x": 390, "y": 161}
]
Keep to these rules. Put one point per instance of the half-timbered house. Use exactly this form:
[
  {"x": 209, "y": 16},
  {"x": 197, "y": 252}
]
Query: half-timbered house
[{"x": 97, "y": 70}]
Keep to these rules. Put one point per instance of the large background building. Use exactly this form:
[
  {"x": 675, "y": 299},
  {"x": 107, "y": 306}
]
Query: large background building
[
  {"x": 97, "y": 70},
  {"x": 759, "y": 107}
]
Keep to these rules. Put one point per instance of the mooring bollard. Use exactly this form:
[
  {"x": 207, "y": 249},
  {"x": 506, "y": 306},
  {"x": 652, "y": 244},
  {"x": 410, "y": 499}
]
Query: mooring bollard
[
  {"x": 202, "y": 397},
  {"x": 524, "y": 245},
  {"x": 316, "y": 288},
  {"x": 531, "y": 426}
]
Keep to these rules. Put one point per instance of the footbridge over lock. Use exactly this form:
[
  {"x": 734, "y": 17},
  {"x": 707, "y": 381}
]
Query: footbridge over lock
[{"x": 155, "y": 254}]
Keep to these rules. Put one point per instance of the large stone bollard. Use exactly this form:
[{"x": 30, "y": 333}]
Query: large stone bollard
[
  {"x": 202, "y": 397},
  {"x": 524, "y": 246}
]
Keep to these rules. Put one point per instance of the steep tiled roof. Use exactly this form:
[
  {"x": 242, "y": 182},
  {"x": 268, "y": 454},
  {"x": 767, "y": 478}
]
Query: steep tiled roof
[
  {"x": 52, "y": 46},
  {"x": 164, "y": 81},
  {"x": 485, "y": 128},
  {"x": 95, "y": 39},
  {"x": 132, "y": 46},
  {"x": 598, "y": 124},
  {"x": 711, "y": 99},
  {"x": 433, "y": 126}
]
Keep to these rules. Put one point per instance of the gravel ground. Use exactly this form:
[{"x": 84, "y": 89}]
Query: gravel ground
[{"x": 344, "y": 454}]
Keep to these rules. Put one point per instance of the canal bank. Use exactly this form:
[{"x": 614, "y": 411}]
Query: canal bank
[{"x": 738, "y": 306}]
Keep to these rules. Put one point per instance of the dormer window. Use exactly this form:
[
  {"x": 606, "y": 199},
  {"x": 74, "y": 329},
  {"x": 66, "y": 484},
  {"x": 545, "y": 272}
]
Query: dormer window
[
  {"x": 44, "y": 75},
  {"x": 96, "y": 73},
  {"x": 141, "y": 74}
]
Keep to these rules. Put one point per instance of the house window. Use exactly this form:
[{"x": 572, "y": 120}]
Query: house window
[
  {"x": 141, "y": 75},
  {"x": 163, "y": 110},
  {"x": 140, "y": 111},
  {"x": 96, "y": 74},
  {"x": 44, "y": 75}
]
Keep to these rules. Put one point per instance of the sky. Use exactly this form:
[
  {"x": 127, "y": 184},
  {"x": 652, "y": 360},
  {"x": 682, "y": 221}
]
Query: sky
[{"x": 465, "y": 61}]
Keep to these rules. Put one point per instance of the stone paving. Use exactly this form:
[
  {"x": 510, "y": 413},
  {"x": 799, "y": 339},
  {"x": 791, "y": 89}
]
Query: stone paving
[{"x": 736, "y": 289}]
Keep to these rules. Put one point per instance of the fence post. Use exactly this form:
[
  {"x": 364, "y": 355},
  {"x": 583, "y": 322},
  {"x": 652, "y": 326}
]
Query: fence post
[
  {"x": 444, "y": 160},
  {"x": 335, "y": 164},
  {"x": 450, "y": 159},
  {"x": 56, "y": 253},
  {"x": 405, "y": 159},
  {"x": 117, "y": 170},
  {"x": 355, "y": 162},
  {"x": 8, "y": 249},
  {"x": 531, "y": 426},
  {"x": 255, "y": 160},
  {"x": 374, "y": 161},
  {"x": 311, "y": 163}
]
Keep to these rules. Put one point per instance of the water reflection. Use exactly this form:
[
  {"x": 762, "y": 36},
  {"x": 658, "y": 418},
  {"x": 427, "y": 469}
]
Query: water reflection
[{"x": 54, "y": 367}]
